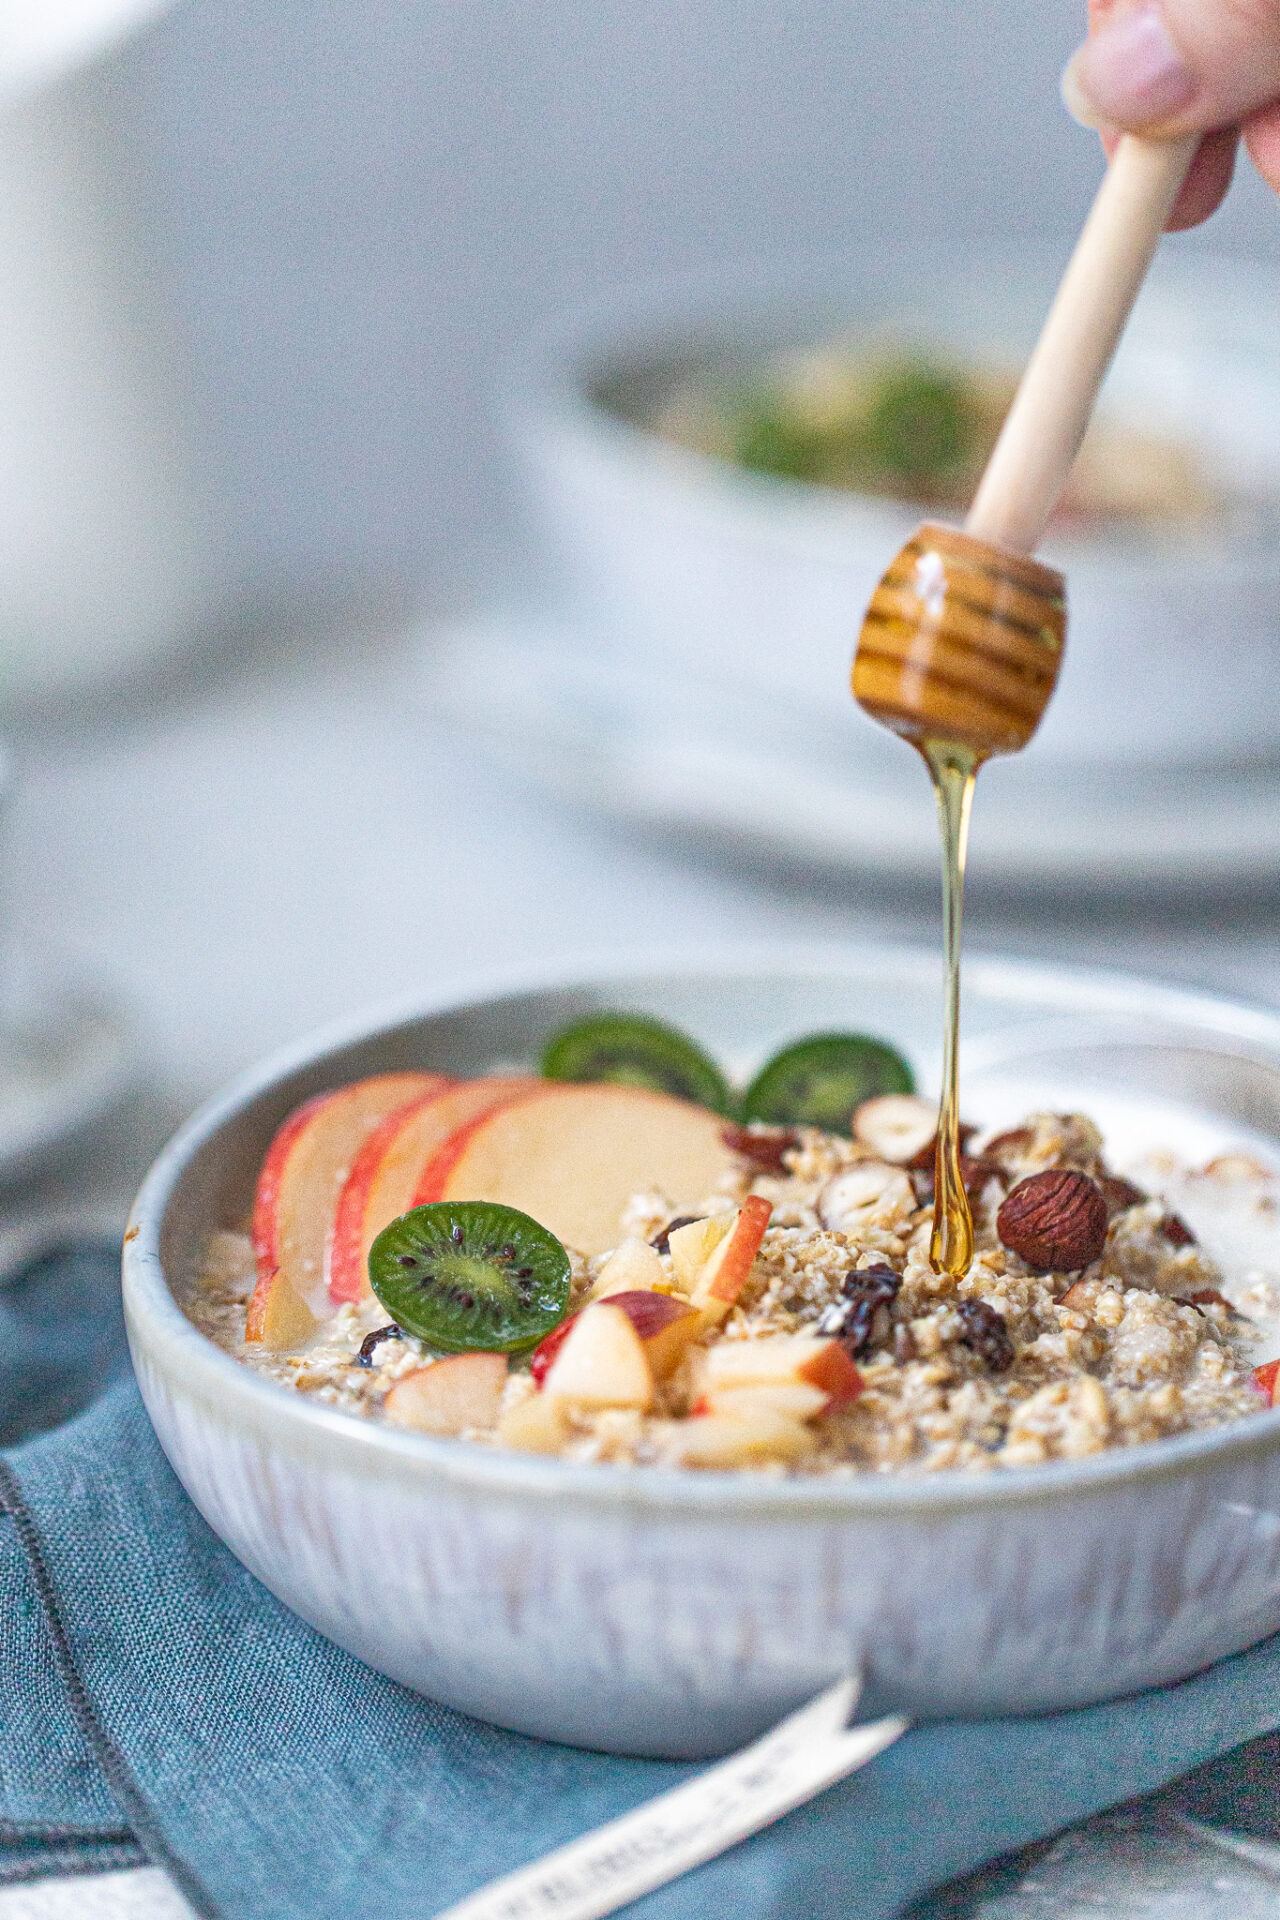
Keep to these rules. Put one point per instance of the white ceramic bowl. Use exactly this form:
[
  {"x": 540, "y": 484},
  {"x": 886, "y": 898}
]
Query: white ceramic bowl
[
  {"x": 713, "y": 576},
  {"x": 677, "y": 1613}
]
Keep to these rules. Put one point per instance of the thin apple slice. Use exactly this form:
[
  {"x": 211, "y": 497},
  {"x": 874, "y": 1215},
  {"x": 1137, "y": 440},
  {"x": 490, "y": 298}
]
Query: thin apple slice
[
  {"x": 278, "y": 1318},
  {"x": 602, "y": 1362},
  {"x": 1265, "y": 1379},
  {"x": 666, "y": 1326},
  {"x": 692, "y": 1246},
  {"x": 722, "y": 1277},
  {"x": 451, "y": 1396},
  {"x": 633, "y": 1268},
  {"x": 792, "y": 1398},
  {"x": 747, "y": 1439},
  {"x": 808, "y": 1359},
  {"x": 572, "y": 1156},
  {"x": 303, "y": 1174},
  {"x": 387, "y": 1171}
]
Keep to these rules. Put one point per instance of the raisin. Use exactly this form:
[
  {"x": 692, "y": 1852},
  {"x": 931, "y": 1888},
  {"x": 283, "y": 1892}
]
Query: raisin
[
  {"x": 374, "y": 1340},
  {"x": 851, "y": 1318},
  {"x": 661, "y": 1243},
  {"x": 765, "y": 1150},
  {"x": 986, "y": 1333}
]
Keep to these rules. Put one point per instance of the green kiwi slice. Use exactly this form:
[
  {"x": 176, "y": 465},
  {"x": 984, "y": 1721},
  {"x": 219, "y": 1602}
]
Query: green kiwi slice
[
  {"x": 635, "y": 1051},
  {"x": 470, "y": 1276},
  {"x": 818, "y": 1081}
]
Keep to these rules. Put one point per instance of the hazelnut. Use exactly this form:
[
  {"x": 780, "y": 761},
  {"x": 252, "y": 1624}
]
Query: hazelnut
[
  {"x": 897, "y": 1127},
  {"x": 1056, "y": 1220},
  {"x": 872, "y": 1193}
]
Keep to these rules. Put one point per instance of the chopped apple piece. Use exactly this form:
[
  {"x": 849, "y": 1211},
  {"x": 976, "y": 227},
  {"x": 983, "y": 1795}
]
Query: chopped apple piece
[
  {"x": 782, "y": 1358},
  {"x": 736, "y": 1439},
  {"x": 572, "y": 1156},
  {"x": 602, "y": 1363},
  {"x": 634, "y": 1267},
  {"x": 278, "y": 1318},
  {"x": 386, "y": 1172},
  {"x": 533, "y": 1425},
  {"x": 691, "y": 1247},
  {"x": 792, "y": 1398},
  {"x": 451, "y": 1396},
  {"x": 1265, "y": 1380},
  {"x": 546, "y": 1350},
  {"x": 304, "y": 1171},
  {"x": 664, "y": 1324},
  {"x": 722, "y": 1277}
]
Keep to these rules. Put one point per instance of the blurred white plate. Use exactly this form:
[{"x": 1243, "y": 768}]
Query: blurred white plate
[{"x": 676, "y": 755}]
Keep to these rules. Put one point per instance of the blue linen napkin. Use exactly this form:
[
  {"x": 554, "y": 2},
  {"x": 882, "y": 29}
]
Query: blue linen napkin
[{"x": 157, "y": 1704}]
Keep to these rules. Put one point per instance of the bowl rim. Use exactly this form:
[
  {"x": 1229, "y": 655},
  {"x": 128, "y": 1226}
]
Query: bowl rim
[
  {"x": 549, "y": 385},
  {"x": 189, "y": 1360}
]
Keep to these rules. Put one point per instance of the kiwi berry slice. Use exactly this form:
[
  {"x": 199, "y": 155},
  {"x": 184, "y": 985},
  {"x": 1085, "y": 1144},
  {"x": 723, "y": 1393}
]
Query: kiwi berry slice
[
  {"x": 632, "y": 1050},
  {"x": 818, "y": 1081},
  {"x": 470, "y": 1276}
]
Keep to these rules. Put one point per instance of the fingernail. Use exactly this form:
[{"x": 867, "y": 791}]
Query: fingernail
[{"x": 1128, "y": 73}]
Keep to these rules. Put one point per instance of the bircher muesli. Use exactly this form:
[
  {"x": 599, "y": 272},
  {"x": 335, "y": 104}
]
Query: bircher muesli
[{"x": 620, "y": 1259}]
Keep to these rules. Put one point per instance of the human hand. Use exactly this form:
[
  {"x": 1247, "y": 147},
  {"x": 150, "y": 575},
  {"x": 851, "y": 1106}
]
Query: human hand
[{"x": 1164, "y": 67}]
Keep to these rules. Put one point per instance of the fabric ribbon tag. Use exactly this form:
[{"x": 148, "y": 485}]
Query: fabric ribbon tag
[{"x": 617, "y": 1863}]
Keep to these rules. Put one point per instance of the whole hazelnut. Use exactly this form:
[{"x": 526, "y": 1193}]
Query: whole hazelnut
[{"x": 1056, "y": 1220}]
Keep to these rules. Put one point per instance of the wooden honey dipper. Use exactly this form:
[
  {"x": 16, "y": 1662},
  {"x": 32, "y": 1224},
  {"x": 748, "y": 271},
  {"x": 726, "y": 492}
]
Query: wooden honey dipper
[{"x": 962, "y": 642}]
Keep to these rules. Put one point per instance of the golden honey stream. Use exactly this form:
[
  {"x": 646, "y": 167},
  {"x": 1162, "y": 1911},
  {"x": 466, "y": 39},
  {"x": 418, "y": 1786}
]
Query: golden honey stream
[{"x": 959, "y": 654}]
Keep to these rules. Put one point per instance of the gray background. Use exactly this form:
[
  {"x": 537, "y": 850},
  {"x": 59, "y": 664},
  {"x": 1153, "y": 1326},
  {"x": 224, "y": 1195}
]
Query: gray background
[{"x": 362, "y": 206}]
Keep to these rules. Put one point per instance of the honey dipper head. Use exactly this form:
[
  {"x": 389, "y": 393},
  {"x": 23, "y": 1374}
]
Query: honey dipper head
[{"x": 962, "y": 642}]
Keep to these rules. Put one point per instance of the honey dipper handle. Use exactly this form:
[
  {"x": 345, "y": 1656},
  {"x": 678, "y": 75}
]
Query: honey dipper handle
[{"x": 1046, "y": 423}]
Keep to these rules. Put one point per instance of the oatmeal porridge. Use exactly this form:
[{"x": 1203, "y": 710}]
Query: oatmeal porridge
[{"x": 782, "y": 1315}]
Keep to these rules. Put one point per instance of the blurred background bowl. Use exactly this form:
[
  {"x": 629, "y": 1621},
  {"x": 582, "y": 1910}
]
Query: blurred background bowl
[{"x": 674, "y": 558}]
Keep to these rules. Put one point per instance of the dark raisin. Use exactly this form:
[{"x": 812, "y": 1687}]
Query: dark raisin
[
  {"x": 1119, "y": 1194},
  {"x": 662, "y": 1242},
  {"x": 374, "y": 1340},
  {"x": 986, "y": 1333},
  {"x": 852, "y": 1318},
  {"x": 1176, "y": 1231},
  {"x": 766, "y": 1150}
]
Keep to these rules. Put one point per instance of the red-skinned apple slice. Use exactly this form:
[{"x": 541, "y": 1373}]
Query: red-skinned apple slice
[
  {"x": 602, "y": 1362},
  {"x": 664, "y": 1324},
  {"x": 571, "y": 1156},
  {"x": 450, "y": 1396},
  {"x": 808, "y": 1359},
  {"x": 723, "y": 1274},
  {"x": 1265, "y": 1379},
  {"x": 278, "y": 1318},
  {"x": 298, "y": 1187},
  {"x": 387, "y": 1171}
]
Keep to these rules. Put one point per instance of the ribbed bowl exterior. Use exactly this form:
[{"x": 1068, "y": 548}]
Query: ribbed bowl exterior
[{"x": 666, "y": 1613}]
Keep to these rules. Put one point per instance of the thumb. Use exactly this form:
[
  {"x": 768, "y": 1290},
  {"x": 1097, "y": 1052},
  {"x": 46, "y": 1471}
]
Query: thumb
[{"x": 1175, "y": 66}]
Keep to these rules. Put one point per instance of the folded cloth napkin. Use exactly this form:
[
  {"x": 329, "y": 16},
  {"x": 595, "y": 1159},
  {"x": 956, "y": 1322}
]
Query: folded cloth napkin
[{"x": 157, "y": 1703}]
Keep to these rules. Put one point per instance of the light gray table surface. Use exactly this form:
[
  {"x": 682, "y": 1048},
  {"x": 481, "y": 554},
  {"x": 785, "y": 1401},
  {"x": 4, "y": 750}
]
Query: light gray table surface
[{"x": 285, "y": 838}]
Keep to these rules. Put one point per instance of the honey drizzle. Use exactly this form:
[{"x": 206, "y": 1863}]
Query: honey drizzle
[{"x": 953, "y": 770}]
